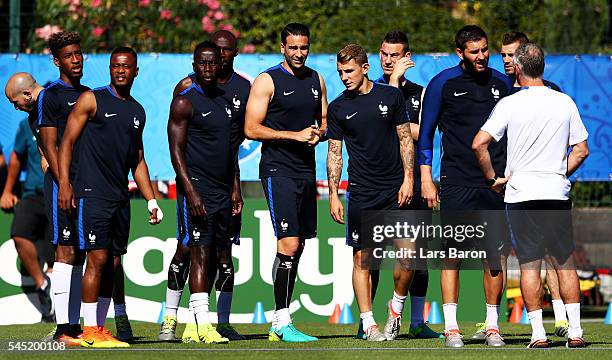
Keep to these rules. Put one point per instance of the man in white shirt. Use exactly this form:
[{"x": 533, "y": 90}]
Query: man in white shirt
[{"x": 540, "y": 124}]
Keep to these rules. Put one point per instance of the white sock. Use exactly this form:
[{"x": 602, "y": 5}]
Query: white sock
[
  {"x": 274, "y": 320},
  {"x": 573, "y": 316},
  {"x": 450, "y": 316},
  {"x": 120, "y": 310},
  {"x": 173, "y": 298},
  {"x": 74, "y": 304},
  {"x": 417, "y": 306},
  {"x": 199, "y": 302},
  {"x": 90, "y": 316},
  {"x": 397, "y": 303},
  {"x": 191, "y": 317},
  {"x": 60, "y": 290},
  {"x": 537, "y": 326},
  {"x": 284, "y": 317},
  {"x": 224, "y": 306},
  {"x": 492, "y": 317},
  {"x": 559, "y": 309},
  {"x": 103, "y": 305},
  {"x": 368, "y": 321}
]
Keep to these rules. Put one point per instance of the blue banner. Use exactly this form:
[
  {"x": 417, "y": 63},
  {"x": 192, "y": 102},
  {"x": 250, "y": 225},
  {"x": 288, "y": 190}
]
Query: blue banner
[{"x": 586, "y": 78}]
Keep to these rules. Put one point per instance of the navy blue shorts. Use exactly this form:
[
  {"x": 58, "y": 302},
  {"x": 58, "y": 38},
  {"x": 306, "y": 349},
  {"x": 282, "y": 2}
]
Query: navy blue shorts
[
  {"x": 210, "y": 230},
  {"x": 540, "y": 227},
  {"x": 479, "y": 206},
  {"x": 103, "y": 224},
  {"x": 359, "y": 201},
  {"x": 62, "y": 225},
  {"x": 293, "y": 206}
]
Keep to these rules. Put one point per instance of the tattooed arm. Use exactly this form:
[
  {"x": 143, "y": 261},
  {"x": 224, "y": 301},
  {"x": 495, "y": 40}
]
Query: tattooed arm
[
  {"x": 334, "y": 170},
  {"x": 404, "y": 196}
]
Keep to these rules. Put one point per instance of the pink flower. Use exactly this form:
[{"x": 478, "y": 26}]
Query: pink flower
[
  {"x": 161, "y": 40},
  {"x": 227, "y": 27},
  {"x": 46, "y": 31},
  {"x": 177, "y": 20},
  {"x": 207, "y": 25},
  {"x": 213, "y": 4},
  {"x": 98, "y": 31},
  {"x": 219, "y": 15},
  {"x": 166, "y": 14},
  {"x": 144, "y": 3},
  {"x": 237, "y": 33},
  {"x": 248, "y": 49},
  {"x": 96, "y": 3}
]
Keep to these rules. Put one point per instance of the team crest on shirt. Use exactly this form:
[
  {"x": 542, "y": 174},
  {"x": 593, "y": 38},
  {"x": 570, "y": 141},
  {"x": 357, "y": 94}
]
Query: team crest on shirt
[
  {"x": 236, "y": 102},
  {"x": 495, "y": 93},
  {"x": 384, "y": 109},
  {"x": 229, "y": 112},
  {"x": 136, "y": 123},
  {"x": 315, "y": 93},
  {"x": 415, "y": 103}
]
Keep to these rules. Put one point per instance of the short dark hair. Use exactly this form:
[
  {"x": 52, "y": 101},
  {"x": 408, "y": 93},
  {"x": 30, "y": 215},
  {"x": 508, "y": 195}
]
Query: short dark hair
[
  {"x": 125, "y": 50},
  {"x": 397, "y": 37},
  {"x": 295, "y": 29},
  {"x": 530, "y": 59},
  {"x": 513, "y": 36},
  {"x": 469, "y": 33},
  {"x": 206, "y": 44},
  {"x": 352, "y": 51},
  {"x": 61, "y": 39}
]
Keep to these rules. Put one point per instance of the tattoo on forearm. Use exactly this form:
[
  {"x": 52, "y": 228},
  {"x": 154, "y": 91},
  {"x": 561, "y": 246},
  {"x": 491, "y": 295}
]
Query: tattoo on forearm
[
  {"x": 406, "y": 147},
  {"x": 334, "y": 165}
]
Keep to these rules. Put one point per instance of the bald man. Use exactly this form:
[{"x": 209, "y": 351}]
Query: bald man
[
  {"x": 30, "y": 220},
  {"x": 236, "y": 92}
]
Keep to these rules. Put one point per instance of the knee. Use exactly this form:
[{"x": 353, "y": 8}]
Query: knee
[{"x": 65, "y": 254}]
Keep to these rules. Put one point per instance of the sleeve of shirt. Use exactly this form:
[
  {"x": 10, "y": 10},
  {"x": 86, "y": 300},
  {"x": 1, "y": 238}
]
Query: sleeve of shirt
[
  {"x": 400, "y": 115},
  {"x": 497, "y": 123},
  {"x": 432, "y": 103},
  {"x": 334, "y": 131},
  {"x": 46, "y": 109},
  {"x": 20, "y": 147},
  {"x": 578, "y": 133}
]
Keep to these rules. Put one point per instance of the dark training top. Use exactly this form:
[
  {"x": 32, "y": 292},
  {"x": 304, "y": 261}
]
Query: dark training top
[
  {"x": 26, "y": 146},
  {"x": 295, "y": 105},
  {"x": 236, "y": 91},
  {"x": 55, "y": 103},
  {"x": 208, "y": 150},
  {"x": 412, "y": 96},
  {"x": 109, "y": 146},
  {"x": 550, "y": 84},
  {"x": 459, "y": 103},
  {"x": 368, "y": 124}
]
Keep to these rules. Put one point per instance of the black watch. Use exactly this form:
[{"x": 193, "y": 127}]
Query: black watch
[{"x": 490, "y": 182}]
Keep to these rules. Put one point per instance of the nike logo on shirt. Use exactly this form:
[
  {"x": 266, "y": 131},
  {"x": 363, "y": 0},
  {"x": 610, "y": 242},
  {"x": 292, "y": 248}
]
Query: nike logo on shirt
[
  {"x": 206, "y": 114},
  {"x": 108, "y": 115},
  {"x": 71, "y": 103},
  {"x": 288, "y": 93},
  {"x": 350, "y": 116},
  {"x": 459, "y": 94}
]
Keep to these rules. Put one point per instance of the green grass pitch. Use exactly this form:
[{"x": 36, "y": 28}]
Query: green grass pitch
[{"x": 336, "y": 342}]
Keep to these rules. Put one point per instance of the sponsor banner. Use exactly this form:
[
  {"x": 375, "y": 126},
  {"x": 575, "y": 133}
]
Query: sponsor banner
[
  {"x": 584, "y": 77},
  {"x": 324, "y": 275}
]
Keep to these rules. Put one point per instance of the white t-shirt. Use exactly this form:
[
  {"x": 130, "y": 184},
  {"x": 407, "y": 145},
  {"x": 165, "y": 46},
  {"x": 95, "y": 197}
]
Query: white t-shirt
[{"x": 541, "y": 124}]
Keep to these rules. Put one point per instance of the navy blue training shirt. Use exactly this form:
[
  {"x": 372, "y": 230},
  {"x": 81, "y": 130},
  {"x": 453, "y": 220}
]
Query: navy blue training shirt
[
  {"x": 236, "y": 91},
  {"x": 295, "y": 105},
  {"x": 109, "y": 146},
  {"x": 550, "y": 84},
  {"x": 368, "y": 125},
  {"x": 458, "y": 103},
  {"x": 413, "y": 94},
  {"x": 208, "y": 151}
]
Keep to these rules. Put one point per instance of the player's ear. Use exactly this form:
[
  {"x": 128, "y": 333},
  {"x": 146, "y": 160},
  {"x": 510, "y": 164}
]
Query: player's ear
[
  {"x": 282, "y": 48},
  {"x": 407, "y": 54},
  {"x": 365, "y": 68},
  {"x": 136, "y": 71},
  {"x": 56, "y": 61},
  {"x": 459, "y": 53}
]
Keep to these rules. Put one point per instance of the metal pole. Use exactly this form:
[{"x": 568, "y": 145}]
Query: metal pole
[{"x": 14, "y": 26}]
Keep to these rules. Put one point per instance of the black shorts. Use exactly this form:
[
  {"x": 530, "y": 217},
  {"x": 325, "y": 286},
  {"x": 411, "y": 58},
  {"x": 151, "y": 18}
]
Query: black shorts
[
  {"x": 293, "y": 206},
  {"x": 359, "y": 201},
  {"x": 462, "y": 205},
  {"x": 62, "y": 225},
  {"x": 540, "y": 227},
  {"x": 30, "y": 219},
  {"x": 103, "y": 224},
  {"x": 210, "y": 230}
]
